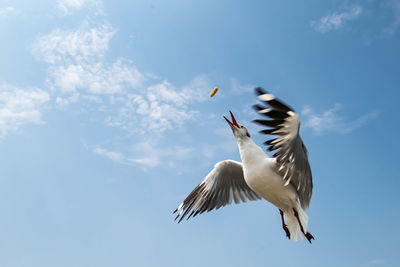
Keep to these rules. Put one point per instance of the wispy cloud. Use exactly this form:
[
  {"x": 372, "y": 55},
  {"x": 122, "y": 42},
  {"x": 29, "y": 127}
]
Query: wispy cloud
[
  {"x": 85, "y": 44},
  {"x": 332, "y": 121},
  {"x": 336, "y": 20},
  {"x": 8, "y": 11},
  {"x": 239, "y": 88},
  {"x": 67, "y": 5},
  {"x": 140, "y": 104},
  {"x": 97, "y": 78},
  {"x": 160, "y": 107},
  {"x": 137, "y": 102},
  {"x": 77, "y": 65},
  {"x": 394, "y": 6},
  {"x": 114, "y": 156},
  {"x": 377, "y": 262},
  {"x": 118, "y": 157},
  {"x": 146, "y": 154},
  {"x": 20, "y": 106},
  {"x": 146, "y": 161}
]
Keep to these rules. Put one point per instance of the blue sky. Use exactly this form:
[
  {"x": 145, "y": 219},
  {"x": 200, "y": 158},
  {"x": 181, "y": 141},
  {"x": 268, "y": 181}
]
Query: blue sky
[{"x": 106, "y": 125}]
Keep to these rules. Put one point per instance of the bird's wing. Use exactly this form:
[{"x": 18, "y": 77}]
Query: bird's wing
[
  {"x": 291, "y": 155},
  {"x": 222, "y": 185}
]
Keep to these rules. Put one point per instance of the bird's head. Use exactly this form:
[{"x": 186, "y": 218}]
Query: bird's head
[{"x": 239, "y": 131}]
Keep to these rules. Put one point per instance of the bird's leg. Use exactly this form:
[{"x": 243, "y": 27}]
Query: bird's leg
[
  {"x": 307, "y": 235},
  {"x": 284, "y": 226}
]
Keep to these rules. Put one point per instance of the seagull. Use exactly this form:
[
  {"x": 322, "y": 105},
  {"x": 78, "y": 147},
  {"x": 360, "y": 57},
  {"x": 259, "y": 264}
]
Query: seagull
[{"x": 285, "y": 180}]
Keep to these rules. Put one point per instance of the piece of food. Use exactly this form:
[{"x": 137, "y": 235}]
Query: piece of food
[{"x": 214, "y": 92}]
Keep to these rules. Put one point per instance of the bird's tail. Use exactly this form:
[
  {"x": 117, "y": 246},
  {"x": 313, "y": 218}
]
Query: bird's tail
[{"x": 293, "y": 225}]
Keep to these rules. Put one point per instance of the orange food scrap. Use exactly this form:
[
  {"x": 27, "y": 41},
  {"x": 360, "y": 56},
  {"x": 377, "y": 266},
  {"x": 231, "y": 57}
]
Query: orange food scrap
[{"x": 214, "y": 92}]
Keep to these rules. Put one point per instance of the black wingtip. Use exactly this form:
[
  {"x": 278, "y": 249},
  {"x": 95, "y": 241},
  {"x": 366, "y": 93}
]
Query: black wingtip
[
  {"x": 260, "y": 91},
  {"x": 182, "y": 217},
  {"x": 269, "y": 142},
  {"x": 277, "y": 124},
  {"x": 267, "y": 131},
  {"x": 274, "y": 102},
  {"x": 258, "y": 107}
]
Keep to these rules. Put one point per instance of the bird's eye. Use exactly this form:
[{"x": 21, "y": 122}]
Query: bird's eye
[{"x": 241, "y": 126}]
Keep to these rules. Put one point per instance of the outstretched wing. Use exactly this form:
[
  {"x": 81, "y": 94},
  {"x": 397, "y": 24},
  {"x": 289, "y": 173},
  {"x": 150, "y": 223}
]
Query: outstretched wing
[
  {"x": 222, "y": 185},
  {"x": 291, "y": 155}
]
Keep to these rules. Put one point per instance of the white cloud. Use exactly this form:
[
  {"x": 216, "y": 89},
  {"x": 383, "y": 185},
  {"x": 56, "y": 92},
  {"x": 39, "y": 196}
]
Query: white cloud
[
  {"x": 77, "y": 64},
  {"x": 377, "y": 262},
  {"x": 86, "y": 44},
  {"x": 117, "y": 157},
  {"x": 336, "y": 20},
  {"x": 331, "y": 121},
  {"x": 67, "y": 5},
  {"x": 394, "y": 6},
  {"x": 93, "y": 7},
  {"x": 146, "y": 154},
  {"x": 8, "y": 10},
  {"x": 63, "y": 102},
  {"x": 145, "y": 162},
  {"x": 78, "y": 70},
  {"x": 95, "y": 78},
  {"x": 20, "y": 106},
  {"x": 142, "y": 105},
  {"x": 114, "y": 156},
  {"x": 160, "y": 107},
  {"x": 239, "y": 88}
]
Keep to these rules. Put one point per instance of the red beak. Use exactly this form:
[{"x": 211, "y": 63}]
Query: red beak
[{"x": 233, "y": 120}]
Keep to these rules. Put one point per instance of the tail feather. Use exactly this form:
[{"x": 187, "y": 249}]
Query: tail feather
[{"x": 293, "y": 225}]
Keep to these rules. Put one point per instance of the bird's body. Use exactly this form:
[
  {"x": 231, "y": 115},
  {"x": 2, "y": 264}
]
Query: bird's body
[
  {"x": 282, "y": 180},
  {"x": 260, "y": 174}
]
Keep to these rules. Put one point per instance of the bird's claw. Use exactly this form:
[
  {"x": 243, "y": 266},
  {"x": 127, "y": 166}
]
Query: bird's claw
[
  {"x": 309, "y": 237},
  {"x": 286, "y": 231}
]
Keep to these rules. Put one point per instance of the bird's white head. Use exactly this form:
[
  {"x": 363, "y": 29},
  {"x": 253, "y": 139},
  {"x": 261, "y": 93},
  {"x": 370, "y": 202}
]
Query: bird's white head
[{"x": 239, "y": 131}]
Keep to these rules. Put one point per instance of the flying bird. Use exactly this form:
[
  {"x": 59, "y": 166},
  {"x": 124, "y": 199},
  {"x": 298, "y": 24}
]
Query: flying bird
[{"x": 285, "y": 180}]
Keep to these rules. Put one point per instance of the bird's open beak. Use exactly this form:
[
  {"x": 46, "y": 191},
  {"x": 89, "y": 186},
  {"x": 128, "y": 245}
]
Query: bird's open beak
[{"x": 233, "y": 123}]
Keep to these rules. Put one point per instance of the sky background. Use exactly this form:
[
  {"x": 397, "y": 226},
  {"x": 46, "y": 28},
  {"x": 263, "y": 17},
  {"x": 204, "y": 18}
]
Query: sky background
[{"x": 106, "y": 126}]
